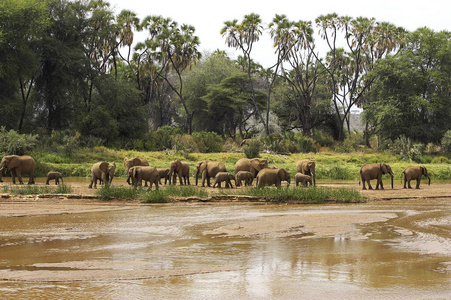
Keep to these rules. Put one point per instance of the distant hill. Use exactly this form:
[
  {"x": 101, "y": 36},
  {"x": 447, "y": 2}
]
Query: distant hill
[{"x": 356, "y": 123}]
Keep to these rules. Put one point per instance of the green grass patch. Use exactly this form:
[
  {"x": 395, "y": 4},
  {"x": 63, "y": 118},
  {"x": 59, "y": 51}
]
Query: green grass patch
[
  {"x": 310, "y": 195},
  {"x": 37, "y": 190},
  {"x": 108, "y": 192}
]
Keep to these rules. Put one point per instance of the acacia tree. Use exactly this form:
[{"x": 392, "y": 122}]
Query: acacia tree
[
  {"x": 242, "y": 36},
  {"x": 366, "y": 41},
  {"x": 295, "y": 47}
]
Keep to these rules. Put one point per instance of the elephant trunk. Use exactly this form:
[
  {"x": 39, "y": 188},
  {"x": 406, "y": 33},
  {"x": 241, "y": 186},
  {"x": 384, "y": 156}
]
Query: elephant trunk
[
  {"x": 429, "y": 180},
  {"x": 197, "y": 176},
  {"x": 391, "y": 174}
]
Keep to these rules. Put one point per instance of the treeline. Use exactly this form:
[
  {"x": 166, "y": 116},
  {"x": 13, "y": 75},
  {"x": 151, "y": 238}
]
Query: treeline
[{"x": 75, "y": 67}]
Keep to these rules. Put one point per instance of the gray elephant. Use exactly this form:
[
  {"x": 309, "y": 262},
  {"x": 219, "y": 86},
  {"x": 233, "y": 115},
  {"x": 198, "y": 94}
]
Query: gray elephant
[
  {"x": 253, "y": 165},
  {"x": 53, "y": 175},
  {"x": 303, "y": 179},
  {"x": 209, "y": 169},
  {"x": 146, "y": 173},
  {"x": 375, "y": 171},
  {"x": 99, "y": 171},
  {"x": 131, "y": 162},
  {"x": 415, "y": 172},
  {"x": 307, "y": 167},
  {"x": 273, "y": 176},
  {"x": 164, "y": 174},
  {"x": 19, "y": 165},
  {"x": 224, "y": 177},
  {"x": 245, "y": 176},
  {"x": 180, "y": 168}
]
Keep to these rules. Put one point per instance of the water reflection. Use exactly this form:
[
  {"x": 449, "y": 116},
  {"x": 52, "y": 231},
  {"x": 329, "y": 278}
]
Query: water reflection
[{"x": 405, "y": 257}]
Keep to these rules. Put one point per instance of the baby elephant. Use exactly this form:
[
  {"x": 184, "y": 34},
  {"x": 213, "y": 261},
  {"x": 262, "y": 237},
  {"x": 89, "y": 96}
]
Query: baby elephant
[
  {"x": 54, "y": 175},
  {"x": 224, "y": 176},
  {"x": 245, "y": 176},
  {"x": 303, "y": 179}
]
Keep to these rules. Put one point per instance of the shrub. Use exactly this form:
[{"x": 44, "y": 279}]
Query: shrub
[
  {"x": 252, "y": 148},
  {"x": 12, "y": 142},
  {"x": 207, "y": 142}
]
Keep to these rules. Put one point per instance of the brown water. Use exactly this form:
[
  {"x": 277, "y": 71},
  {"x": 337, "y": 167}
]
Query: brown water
[{"x": 163, "y": 252}]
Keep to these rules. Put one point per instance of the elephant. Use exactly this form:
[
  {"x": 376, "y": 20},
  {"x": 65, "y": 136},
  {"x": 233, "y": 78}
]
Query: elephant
[
  {"x": 111, "y": 170},
  {"x": 54, "y": 175},
  {"x": 253, "y": 165},
  {"x": 146, "y": 173},
  {"x": 273, "y": 176},
  {"x": 375, "y": 171},
  {"x": 19, "y": 165},
  {"x": 180, "y": 168},
  {"x": 415, "y": 172},
  {"x": 100, "y": 171},
  {"x": 224, "y": 177},
  {"x": 131, "y": 162},
  {"x": 303, "y": 179},
  {"x": 307, "y": 167},
  {"x": 164, "y": 174},
  {"x": 245, "y": 176},
  {"x": 209, "y": 169}
]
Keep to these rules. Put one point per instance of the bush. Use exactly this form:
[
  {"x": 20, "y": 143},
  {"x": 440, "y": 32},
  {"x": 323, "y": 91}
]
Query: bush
[
  {"x": 14, "y": 143},
  {"x": 207, "y": 142},
  {"x": 446, "y": 142},
  {"x": 252, "y": 148}
]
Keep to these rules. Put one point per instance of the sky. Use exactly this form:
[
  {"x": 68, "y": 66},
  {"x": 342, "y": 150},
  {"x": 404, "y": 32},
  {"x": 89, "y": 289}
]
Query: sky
[{"x": 208, "y": 17}]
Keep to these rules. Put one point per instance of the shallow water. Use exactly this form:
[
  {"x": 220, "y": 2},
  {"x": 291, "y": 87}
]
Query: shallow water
[{"x": 163, "y": 252}]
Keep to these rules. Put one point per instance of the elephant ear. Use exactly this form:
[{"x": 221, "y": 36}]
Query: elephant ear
[
  {"x": 14, "y": 162},
  {"x": 203, "y": 166},
  {"x": 104, "y": 166},
  {"x": 255, "y": 163}
]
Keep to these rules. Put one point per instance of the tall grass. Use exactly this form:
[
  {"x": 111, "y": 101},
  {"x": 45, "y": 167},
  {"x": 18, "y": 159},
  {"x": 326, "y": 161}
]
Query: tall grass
[
  {"x": 37, "y": 190},
  {"x": 311, "y": 195}
]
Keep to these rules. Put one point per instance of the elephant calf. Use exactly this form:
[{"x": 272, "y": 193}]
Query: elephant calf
[
  {"x": 164, "y": 174},
  {"x": 303, "y": 179},
  {"x": 224, "y": 177},
  {"x": 245, "y": 176},
  {"x": 54, "y": 175}
]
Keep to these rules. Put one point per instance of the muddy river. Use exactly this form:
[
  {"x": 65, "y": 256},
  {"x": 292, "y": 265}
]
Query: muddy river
[{"x": 397, "y": 249}]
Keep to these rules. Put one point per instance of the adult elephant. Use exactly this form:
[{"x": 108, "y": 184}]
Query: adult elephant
[
  {"x": 273, "y": 176},
  {"x": 307, "y": 167},
  {"x": 19, "y": 165},
  {"x": 415, "y": 172},
  {"x": 253, "y": 165},
  {"x": 146, "y": 173},
  {"x": 375, "y": 171},
  {"x": 180, "y": 168},
  {"x": 209, "y": 169},
  {"x": 99, "y": 171},
  {"x": 132, "y": 162}
]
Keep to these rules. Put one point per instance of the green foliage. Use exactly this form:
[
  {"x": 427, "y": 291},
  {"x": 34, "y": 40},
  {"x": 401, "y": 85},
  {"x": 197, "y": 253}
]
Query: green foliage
[
  {"x": 404, "y": 147},
  {"x": 11, "y": 142},
  {"x": 351, "y": 143},
  {"x": 307, "y": 195},
  {"x": 38, "y": 190},
  {"x": 252, "y": 148},
  {"x": 207, "y": 142},
  {"x": 446, "y": 142},
  {"x": 289, "y": 142}
]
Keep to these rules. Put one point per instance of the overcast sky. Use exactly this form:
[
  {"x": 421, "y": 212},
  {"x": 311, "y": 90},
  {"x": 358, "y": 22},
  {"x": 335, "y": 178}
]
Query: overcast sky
[{"x": 208, "y": 17}]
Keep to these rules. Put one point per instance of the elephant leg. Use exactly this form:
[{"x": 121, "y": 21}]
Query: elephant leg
[
  {"x": 418, "y": 183},
  {"x": 369, "y": 185}
]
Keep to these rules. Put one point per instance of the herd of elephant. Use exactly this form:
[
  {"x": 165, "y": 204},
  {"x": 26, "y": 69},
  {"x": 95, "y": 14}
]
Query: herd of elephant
[{"x": 246, "y": 170}]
